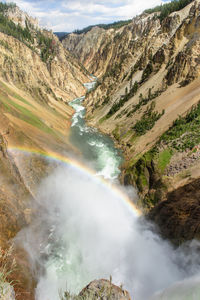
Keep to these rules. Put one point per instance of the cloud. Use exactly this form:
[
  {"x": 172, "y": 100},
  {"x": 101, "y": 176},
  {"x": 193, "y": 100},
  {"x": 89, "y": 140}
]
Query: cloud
[{"x": 69, "y": 15}]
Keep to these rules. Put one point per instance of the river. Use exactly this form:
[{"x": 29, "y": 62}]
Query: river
[{"x": 98, "y": 150}]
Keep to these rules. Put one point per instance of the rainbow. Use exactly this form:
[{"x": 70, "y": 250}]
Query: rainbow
[{"x": 81, "y": 168}]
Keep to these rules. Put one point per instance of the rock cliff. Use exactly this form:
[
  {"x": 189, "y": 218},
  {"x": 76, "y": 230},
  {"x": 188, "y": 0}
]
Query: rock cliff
[
  {"x": 20, "y": 17},
  {"x": 38, "y": 77},
  {"x": 147, "y": 99}
]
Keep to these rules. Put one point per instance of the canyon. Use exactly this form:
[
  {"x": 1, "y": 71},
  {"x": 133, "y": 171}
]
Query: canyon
[{"x": 146, "y": 99}]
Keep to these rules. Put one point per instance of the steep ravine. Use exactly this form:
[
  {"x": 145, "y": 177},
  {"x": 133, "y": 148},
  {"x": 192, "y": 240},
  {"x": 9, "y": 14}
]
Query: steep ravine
[{"x": 79, "y": 227}]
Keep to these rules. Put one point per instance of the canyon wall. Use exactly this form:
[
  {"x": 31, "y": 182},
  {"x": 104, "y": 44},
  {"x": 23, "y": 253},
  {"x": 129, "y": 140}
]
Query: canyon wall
[
  {"x": 38, "y": 77},
  {"x": 147, "y": 100}
]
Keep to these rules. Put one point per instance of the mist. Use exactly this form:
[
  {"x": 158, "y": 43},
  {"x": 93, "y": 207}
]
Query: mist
[{"x": 84, "y": 230}]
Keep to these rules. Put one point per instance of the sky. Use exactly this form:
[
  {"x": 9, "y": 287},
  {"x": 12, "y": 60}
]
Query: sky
[{"x": 69, "y": 15}]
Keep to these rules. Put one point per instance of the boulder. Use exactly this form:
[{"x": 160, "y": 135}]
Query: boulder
[{"x": 102, "y": 290}]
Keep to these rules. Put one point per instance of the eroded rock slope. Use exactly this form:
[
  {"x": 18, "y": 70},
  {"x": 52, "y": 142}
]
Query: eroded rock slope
[
  {"x": 147, "y": 99},
  {"x": 38, "y": 77}
]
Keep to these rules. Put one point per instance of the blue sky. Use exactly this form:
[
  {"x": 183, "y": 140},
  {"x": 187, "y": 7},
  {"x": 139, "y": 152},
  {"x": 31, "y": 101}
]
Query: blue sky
[{"x": 68, "y": 15}]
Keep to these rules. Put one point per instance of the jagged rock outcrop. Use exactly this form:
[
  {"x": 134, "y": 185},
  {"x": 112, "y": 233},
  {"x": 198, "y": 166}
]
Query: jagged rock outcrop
[
  {"x": 62, "y": 76},
  {"x": 178, "y": 216},
  {"x": 104, "y": 289},
  {"x": 90, "y": 47},
  {"x": 20, "y": 17}
]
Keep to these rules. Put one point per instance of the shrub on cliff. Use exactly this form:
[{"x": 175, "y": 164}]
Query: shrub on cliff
[
  {"x": 10, "y": 28},
  {"x": 27, "y": 35},
  {"x": 7, "y": 267},
  {"x": 168, "y": 8},
  {"x": 123, "y": 100},
  {"x": 148, "y": 120},
  {"x": 6, "y": 6}
]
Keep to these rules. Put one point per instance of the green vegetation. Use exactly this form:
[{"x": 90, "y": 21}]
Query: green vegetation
[
  {"x": 116, "y": 133},
  {"x": 122, "y": 113},
  {"x": 148, "y": 120},
  {"x": 133, "y": 70},
  {"x": 164, "y": 159},
  {"x": 24, "y": 114},
  {"x": 146, "y": 174},
  {"x": 123, "y": 100},
  {"x": 184, "y": 133},
  {"x": 147, "y": 72},
  {"x": 139, "y": 172},
  {"x": 5, "y": 45},
  {"x": 13, "y": 94},
  {"x": 4, "y": 7},
  {"x": 25, "y": 35},
  {"x": 182, "y": 136},
  {"x": 47, "y": 46},
  {"x": 102, "y": 119},
  {"x": 147, "y": 170},
  {"x": 143, "y": 101},
  {"x": 8, "y": 27},
  {"x": 106, "y": 100},
  {"x": 168, "y": 8},
  {"x": 114, "y": 72}
]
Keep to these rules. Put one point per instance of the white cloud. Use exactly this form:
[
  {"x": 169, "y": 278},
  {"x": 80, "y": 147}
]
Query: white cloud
[{"x": 67, "y": 15}]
